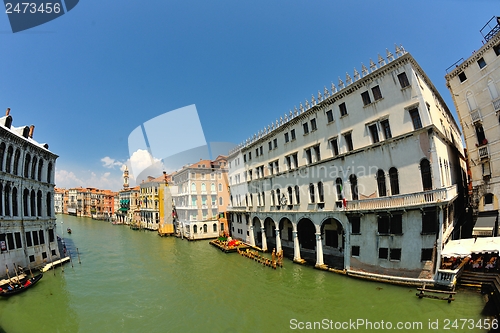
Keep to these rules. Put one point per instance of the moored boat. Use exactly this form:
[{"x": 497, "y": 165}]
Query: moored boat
[{"x": 12, "y": 289}]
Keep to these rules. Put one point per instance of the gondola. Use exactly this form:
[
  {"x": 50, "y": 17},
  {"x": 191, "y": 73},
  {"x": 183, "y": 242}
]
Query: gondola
[{"x": 19, "y": 287}]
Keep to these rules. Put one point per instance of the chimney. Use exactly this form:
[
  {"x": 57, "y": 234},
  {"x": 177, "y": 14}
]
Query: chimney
[
  {"x": 7, "y": 112},
  {"x": 32, "y": 129}
]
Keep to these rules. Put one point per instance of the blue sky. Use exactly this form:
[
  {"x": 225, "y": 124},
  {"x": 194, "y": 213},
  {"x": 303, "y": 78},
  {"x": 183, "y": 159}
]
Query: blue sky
[{"x": 87, "y": 79}]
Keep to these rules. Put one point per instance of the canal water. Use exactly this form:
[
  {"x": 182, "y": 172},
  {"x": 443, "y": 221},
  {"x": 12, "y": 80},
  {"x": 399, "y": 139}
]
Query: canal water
[{"x": 136, "y": 281}]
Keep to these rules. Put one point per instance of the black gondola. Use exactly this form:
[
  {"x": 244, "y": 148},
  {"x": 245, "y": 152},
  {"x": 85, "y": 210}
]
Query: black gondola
[{"x": 16, "y": 288}]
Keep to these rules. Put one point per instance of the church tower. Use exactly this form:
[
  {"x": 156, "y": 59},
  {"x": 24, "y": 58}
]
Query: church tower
[{"x": 125, "y": 178}]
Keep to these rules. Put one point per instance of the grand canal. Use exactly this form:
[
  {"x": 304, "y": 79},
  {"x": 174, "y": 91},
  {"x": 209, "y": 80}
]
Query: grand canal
[{"x": 135, "y": 281}]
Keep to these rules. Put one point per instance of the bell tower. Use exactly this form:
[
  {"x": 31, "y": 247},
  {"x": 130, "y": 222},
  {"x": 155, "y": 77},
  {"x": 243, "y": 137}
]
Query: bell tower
[{"x": 125, "y": 178}]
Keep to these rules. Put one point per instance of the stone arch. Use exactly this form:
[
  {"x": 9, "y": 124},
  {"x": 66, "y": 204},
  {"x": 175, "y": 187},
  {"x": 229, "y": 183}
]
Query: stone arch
[
  {"x": 269, "y": 232},
  {"x": 257, "y": 231},
  {"x": 331, "y": 233},
  {"x": 306, "y": 231},
  {"x": 286, "y": 234}
]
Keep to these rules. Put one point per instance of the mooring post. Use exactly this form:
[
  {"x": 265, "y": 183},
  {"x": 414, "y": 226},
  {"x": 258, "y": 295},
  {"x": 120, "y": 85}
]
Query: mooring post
[{"x": 78, "y": 256}]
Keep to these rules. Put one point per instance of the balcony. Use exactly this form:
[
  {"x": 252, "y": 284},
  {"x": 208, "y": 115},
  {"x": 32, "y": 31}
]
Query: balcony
[
  {"x": 448, "y": 277},
  {"x": 483, "y": 152},
  {"x": 404, "y": 200},
  {"x": 475, "y": 116}
]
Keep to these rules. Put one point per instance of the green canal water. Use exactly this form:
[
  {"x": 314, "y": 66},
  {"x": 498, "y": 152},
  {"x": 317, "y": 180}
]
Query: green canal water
[{"x": 136, "y": 281}]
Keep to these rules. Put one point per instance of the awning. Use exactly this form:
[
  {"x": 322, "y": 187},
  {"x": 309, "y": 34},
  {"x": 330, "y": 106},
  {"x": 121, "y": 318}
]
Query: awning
[
  {"x": 458, "y": 248},
  {"x": 484, "y": 226},
  {"x": 123, "y": 209}
]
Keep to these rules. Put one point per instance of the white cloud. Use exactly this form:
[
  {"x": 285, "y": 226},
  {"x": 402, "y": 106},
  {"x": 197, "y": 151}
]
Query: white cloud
[
  {"x": 105, "y": 181},
  {"x": 109, "y": 162}
]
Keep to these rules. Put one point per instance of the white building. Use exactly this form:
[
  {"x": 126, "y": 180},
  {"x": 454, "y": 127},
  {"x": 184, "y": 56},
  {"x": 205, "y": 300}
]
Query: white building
[
  {"x": 474, "y": 84},
  {"x": 59, "y": 200},
  {"x": 28, "y": 222},
  {"x": 200, "y": 196},
  {"x": 365, "y": 177}
]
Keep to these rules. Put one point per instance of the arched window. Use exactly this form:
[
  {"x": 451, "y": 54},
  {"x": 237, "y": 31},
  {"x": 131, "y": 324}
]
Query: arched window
[
  {"x": 17, "y": 156},
  {"x": 33, "y": 168},
  {"x": 297, "y": 194},
  {"x": 425, "y": 170},
  {"x": 382, "y": 191},
  {"x": 203, "y": 187},
  {"x": 49, "y": 173},
  {"x": 492, "y": 89},
  {"x": 1, "y": 199},
  {"x": 39, "y": 203},
  {"x": 49, "y": 204},
  {"x": 10, "y": 152},
  {"x": 215, "y": 227},
  {"x": 26, "y": 199},
  {"x": 33, "y": 203},
  {"x": 354, "y": 187},
  {"x": 195, "y": 229},
  {"x": 393, "y": 179},
  {"x": 193, "y": 187},
  {"x": 290, "y": 195},
  {"x": 7, "y": 200},
  {"x": 320, "y": 192},
  {"x": 488, "y": 198},
  {"x": 2, "y": 153},
  {"x": 220, "y": 187},
  {"x": 205, "y": 228},
  {"x": 40, "y": 167},
  {"x": 27, "y": 161},
  {"x": 212, "y": 187},
  {"x": 311, "y": 193},
  {"x": 231, "y": 200},
  {"x": 220, "y": 201},
  {"x": 263, "y": 198},
  {"x": 14, "y": 202},
  {"x": 338, "y": 186},
  {"x": 272, "y": 197},
  {"x": 278, "y": 197},
  {"x": 471, "y": 102}
]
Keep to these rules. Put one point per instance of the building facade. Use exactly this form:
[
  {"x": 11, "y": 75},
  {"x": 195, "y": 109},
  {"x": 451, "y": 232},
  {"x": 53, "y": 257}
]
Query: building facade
[
  {"x": 28, "y": 222},
  {"x": 200, "y": 195},
  {"x": 366, "y": 177},
  {"x": 149, "y": 203},
  {"x": 474, "y": 84}
]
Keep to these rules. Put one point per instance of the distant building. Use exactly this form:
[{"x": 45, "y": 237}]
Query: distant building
[
  {"x": 28, "y": 226},
  {"x": 366, "y": 177},
  {"x": 59, "y": 200},
  {"x": 474, "y": 84},
  {"x": 149, "y": 202},
  {"x": 201, "y": 195},
  {"x": 167, "y": 211}
]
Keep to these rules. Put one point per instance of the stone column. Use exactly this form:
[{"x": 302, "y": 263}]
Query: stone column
[
  {"x": 252, "y": 237},
  {"x": 278, "y": 240},
  {"x": 264, "y": 240},
  {"x": 296, "y": 246},
  {"x": 319, "y": 250}
]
